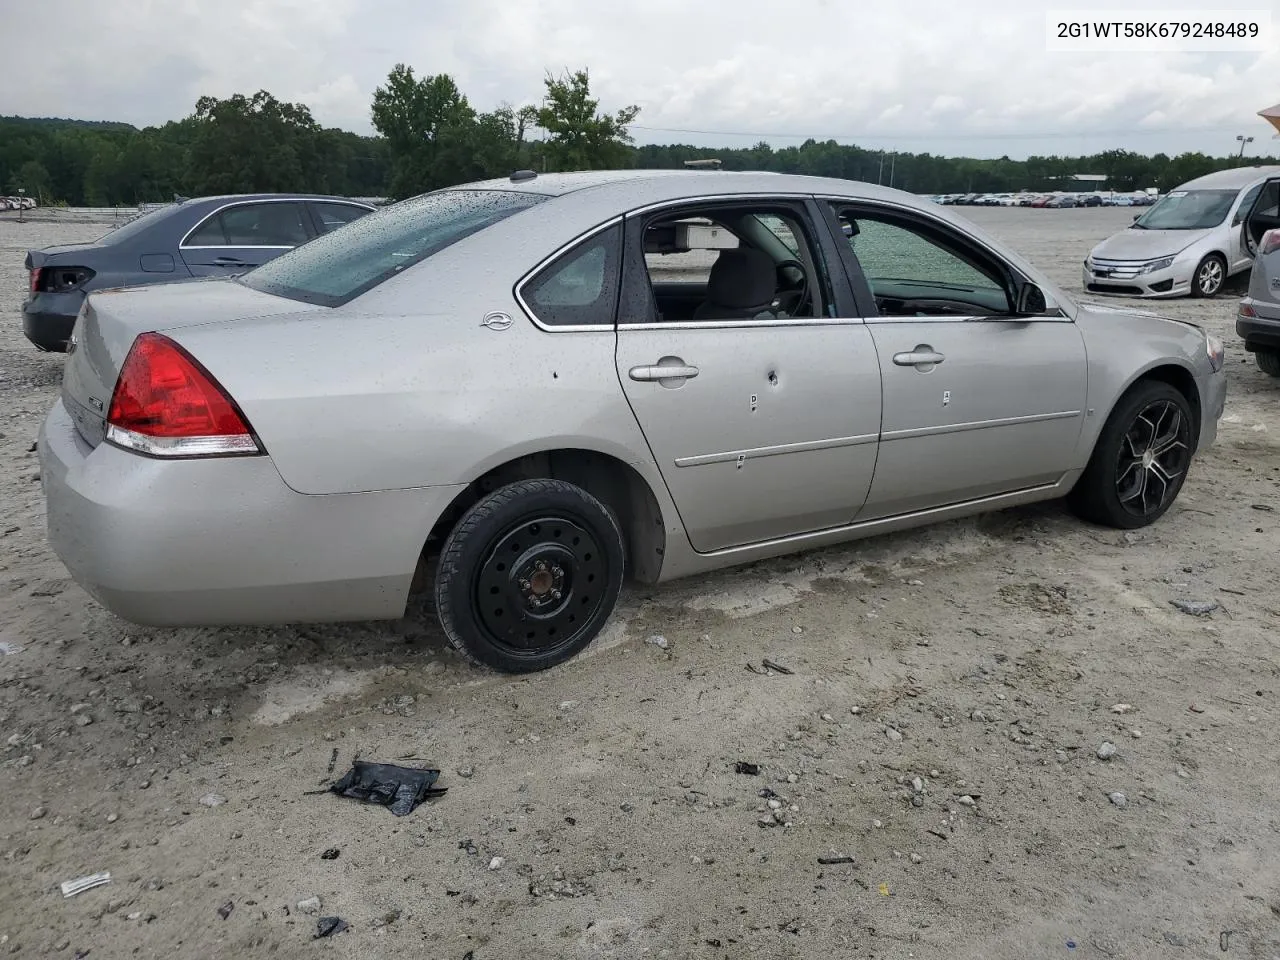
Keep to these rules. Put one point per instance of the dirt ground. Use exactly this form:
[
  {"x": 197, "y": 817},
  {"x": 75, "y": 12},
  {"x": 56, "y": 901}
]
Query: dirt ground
[{"x": 950, "y": 692}]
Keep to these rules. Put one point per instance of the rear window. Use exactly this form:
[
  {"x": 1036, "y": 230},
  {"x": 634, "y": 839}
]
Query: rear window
[{"x": 337, "y": 267}]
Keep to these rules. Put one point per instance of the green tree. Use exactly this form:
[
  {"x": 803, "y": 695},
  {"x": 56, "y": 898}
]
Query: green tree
[
  {"x": 34, "y": 179},
  {"x": 579, "y": 138},
  {"x": 428, "y": 125},
  {"x": 248, "y": 144}
]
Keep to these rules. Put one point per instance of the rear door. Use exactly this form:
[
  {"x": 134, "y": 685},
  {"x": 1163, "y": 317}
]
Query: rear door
[
  {"x": 978, "y": 401},
  {"x": 240, "y": 236},
  {"x": 1262, "y": 215},
  {"x": 761, "y": 403}
]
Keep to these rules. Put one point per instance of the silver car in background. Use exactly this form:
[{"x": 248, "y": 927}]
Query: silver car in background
[
  {"x": 1188, "y": 243},
  {"x": 520, "y": 391},
  {"x": 1258, "y": 317}
]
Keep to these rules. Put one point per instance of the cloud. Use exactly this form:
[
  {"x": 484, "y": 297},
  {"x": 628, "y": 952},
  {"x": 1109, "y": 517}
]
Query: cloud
[{"x": 928, "y": 75}]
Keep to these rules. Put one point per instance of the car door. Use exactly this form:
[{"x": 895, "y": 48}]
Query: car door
[
  {"x": 762, "y": 405},
  {"x": 1262, "y": 214},
  {"x": 978, "y": 401},
  {"x": 240, "y": 236},
  {"x": 1240, "y": 252}
]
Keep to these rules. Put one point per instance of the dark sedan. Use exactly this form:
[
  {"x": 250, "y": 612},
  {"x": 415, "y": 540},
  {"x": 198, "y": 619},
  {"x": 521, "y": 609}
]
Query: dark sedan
[{"x": 204, "y": 237}]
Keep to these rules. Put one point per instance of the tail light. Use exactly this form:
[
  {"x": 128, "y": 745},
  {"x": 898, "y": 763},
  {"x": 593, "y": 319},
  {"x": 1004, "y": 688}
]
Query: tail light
[
  {"x": 1269, "y": 243},
  {"x": 59, "y": 279},
  {"x": 35, "y": 280},
  {"x": 166, "y": 404}
]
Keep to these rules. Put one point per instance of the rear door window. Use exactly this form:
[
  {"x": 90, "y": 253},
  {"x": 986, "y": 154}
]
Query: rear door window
[
  {"x": 275, "y": 224},
  {"x": 330, "y": 216}
]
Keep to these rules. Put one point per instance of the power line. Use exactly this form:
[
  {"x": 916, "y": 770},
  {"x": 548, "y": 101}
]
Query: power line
[{"x": 1057, "y": 135}]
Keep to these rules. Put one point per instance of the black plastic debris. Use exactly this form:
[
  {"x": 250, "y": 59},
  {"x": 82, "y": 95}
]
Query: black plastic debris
[
  {"x": 747, "y": 769},
  {"x": 333, "y": 853},
  {"x": 330, "y": 927},
  {"x": 832, "y": 861},
  {"x": 224, "y": 911},
  {"x": 399, "y": 789}
]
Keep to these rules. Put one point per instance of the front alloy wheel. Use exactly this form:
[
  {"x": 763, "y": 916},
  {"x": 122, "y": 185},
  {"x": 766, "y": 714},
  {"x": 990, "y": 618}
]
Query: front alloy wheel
[
  {"x": 1140, "y": 459},
  {"x": 529, "y": 575},
  {"x": 1210, "y": 276}
]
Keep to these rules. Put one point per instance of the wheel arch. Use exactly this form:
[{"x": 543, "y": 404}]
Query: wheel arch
[
  {"x": 1176, "y": 375},
  {"x": 611, "y": 480}
]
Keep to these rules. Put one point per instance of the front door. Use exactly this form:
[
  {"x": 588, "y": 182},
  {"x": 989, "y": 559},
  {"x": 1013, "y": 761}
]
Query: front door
[
  {"x": 1262, "y": 214},
  {"x": 242, "y": 236},
  {"x": 977, "y": 401},
  {"x": 761, "y": 407},
  {"x": 1241, "y": 253}
]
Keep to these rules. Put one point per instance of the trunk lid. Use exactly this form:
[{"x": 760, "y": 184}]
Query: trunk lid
[{"x": 112, "y": 319}]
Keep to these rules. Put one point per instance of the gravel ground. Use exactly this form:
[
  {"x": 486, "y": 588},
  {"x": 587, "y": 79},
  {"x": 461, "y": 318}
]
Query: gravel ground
[{"x": 1022, "y": 746}]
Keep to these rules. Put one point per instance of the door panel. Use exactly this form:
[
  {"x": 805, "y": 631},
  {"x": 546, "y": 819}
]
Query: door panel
[
  {"x": 773, "y": 434},
  {"x": 1263, "y": 214},
  {"x": 1001, "y": 411}
]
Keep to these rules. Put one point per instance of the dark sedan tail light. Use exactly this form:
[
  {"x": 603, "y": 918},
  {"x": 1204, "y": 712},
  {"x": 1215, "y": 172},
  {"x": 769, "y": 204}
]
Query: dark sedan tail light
[{"x": 59, "y": 279}]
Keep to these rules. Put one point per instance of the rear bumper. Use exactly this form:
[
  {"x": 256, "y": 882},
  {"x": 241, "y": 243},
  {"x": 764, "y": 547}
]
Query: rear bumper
[
  {"x": 225, "y": 541},
  {"x": 1261, "y": 332},
  {"x": 48, "y": 320}
]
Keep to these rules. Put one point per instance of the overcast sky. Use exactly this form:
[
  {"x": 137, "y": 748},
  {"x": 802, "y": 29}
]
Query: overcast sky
[{"x": 956, "y": 77}]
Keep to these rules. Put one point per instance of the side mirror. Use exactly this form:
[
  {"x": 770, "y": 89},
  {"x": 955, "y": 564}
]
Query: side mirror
[
  {"x": 1136, "y": 216},
  {"x": 1030, "y": 301}
]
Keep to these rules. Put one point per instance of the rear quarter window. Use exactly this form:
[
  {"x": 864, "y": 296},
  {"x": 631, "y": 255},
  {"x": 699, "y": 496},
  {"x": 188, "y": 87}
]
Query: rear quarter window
[{"x": 337, "y": 267}]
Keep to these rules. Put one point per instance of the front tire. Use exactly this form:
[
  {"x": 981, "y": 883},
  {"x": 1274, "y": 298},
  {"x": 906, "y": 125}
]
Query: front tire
[
  {"x": 1268, "y": 362},
  {"x": 1140, "y": 460},
  {"x": 529, "y": 576},
  {"x": 1209, "y": 277}
]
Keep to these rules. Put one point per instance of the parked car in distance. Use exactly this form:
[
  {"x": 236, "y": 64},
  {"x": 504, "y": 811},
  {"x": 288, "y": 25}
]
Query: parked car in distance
[
  {"x": 204, "y": 237},
  {"x": 1062, "y": 200},
  {"x": 1189, "y": 242},
  {"x": 546, "y": 382},
  {"x": 1258, "y": 316}
]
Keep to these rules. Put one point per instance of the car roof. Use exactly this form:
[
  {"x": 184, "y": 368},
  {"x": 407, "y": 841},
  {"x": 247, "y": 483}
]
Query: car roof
[
  {"x": 1234, "y": 178},
  {"x": 656, "y": 186}
]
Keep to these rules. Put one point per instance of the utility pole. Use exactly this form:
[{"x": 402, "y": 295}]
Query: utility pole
[
  {"x": 1243, "y": 140},
  {"x": 893, "y": 161},
  {"x": 880, "y": 175}
]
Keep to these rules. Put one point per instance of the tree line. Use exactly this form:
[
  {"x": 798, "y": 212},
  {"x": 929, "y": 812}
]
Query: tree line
[{"x": 429, "y": 136}]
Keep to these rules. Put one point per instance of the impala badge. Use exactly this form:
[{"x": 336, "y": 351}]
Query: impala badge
[{"x": 496, "y": 321}]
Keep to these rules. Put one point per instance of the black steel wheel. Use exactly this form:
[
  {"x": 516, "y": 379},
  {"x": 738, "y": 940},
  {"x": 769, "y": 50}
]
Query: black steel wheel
[
  {"x": 529, "y": 575},
  {"x": 1140, "y": 460},
  {"x": 1209, "y": 277}
]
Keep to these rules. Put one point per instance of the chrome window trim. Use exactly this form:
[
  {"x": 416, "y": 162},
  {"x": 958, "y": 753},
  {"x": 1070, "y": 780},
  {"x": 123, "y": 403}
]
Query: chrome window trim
[
  {"x": 1059, "y": 316},
  {"x": 182, "y": 244},
  {"x": 518, "y": 289}
]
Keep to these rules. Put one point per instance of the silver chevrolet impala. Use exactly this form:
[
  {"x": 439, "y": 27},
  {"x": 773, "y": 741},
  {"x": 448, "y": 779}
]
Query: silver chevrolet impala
[{"x": 518, "y": 392}]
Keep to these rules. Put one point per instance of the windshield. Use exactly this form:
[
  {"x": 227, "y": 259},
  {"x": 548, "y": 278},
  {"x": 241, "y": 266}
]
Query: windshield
[
  {"x": 337, "y": 267},
  {"x": 1188, "y": 210}
]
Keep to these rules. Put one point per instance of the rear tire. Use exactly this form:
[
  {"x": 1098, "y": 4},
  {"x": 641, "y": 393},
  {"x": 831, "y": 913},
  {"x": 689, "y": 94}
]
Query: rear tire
[
  {"x": 529, "y": 576},
  {"x": 1140, "y": 460},
  {"x": 1268, "y": 362},
  {"x": 1210, "y": 277}
]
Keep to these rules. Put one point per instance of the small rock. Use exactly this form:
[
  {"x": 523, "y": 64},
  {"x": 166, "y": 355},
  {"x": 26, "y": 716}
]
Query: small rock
[
  {"x": 1195, "y": 608},
  {"x": 212, "y": 800},
  {"x": 966, "y": 801},
  {"x": 224, "y": 911},
  {"x": 568, "y": 704},
  {"x": 497, "y": 863},
  {"x": 916, "y": 858},
  {"x": 1121, "y": 708},
  {"x": 855, "y": 710},
  {"x": 659, "y": 641},
  {"x": 792, "y": 778},
  {"x": 466, "y": 773},
  {"x": 877, "y": 824},
  {"x": 1136, "y": 734},
  {"x": 797, "y": 629},
  {"x": 112, "y": 817},
  {"x": 915, "y": 583},
  {"x": 1106, "y": 751},
  {"x": 977, "y": 716},
  {"x": 894, "y": 735},
  {"x": 917, "y": 801},
  {"x": 1184, "y": 773},
  {"x": 83, "y": 719},
  {"x": 333, "y": 853},
  {"x": 38, "y": 813},
  {"x": 311, "y": 905},
  {"x": 134, "y": 916},
  {"x": 1118, "y": 799},
  {"x": 828, "y": 718},
  {"x": 79, "y": 708},
  {"x": 62, "y": 944},
  {"x": 917, "y": 785},
  {"x": 775, "y": 804}
]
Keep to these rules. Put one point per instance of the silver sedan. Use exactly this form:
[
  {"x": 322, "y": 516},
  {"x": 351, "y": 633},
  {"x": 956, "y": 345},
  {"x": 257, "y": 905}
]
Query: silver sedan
[{"x": 517, "y": 392}]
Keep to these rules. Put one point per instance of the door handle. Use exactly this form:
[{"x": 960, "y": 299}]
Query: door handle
[
  {"x": 922, "y": 356},
  {"x": 663, "y": 371},
  {"x": 229, "y": 262}
]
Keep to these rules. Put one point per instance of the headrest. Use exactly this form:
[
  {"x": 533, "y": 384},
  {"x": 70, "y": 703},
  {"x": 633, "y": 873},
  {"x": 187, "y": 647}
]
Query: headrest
[{"x": 742, "y": 277}]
